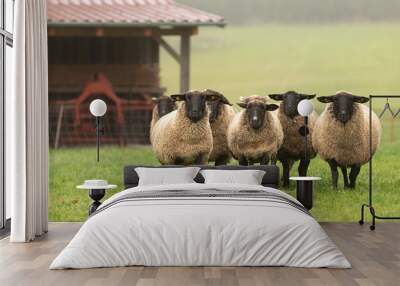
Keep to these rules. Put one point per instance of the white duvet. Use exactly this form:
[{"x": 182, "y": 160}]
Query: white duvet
[{"x": 200, "y": 231}]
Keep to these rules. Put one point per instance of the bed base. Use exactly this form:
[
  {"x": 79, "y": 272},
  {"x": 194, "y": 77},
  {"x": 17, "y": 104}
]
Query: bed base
[{"x": 270, "y": 179}]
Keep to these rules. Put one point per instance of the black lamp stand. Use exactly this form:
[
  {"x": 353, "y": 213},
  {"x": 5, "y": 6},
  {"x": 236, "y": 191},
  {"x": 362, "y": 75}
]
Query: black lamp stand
[
  {"x": 99, "y": 132},
  {"x": 306, "y": 132},
  {"x": 304, "y": 190}
]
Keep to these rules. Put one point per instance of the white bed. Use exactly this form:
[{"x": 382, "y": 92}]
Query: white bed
[{"x": 206, "y": 230}]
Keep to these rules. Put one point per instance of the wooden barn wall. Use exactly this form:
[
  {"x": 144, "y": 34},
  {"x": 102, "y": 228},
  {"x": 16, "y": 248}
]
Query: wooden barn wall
[
  {"x": 130, "y": 63},
  {"x": 101, "y": 50},
  {"x": 132, "y": 66}
]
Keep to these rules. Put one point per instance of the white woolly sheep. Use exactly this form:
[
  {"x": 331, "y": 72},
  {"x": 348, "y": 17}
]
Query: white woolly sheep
[
  {"x": 184, "y": 136},
  {"x": 255, "y": 134},
  {"x": 341, "y": 135},
  {"x": 221, "y": 115},
  {"x": 293, "y": 147}
]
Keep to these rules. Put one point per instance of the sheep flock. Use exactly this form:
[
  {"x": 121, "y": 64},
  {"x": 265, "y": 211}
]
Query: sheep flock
[{"x": 200, "y": 127}]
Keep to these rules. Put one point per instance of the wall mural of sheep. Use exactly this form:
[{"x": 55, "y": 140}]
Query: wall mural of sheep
[
  {"x": 183, "y": 136},
  {"x": 293, "y": 147},
  {"x": 255, "y": 134},
  {"x": 221, "y": 115},
  {"x": 341, "y": 135}
]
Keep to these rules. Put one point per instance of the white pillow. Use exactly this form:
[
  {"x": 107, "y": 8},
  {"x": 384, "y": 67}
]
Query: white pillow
[
  {"x": 248, "y": 177},
  {"x": 166, "y": 176}
]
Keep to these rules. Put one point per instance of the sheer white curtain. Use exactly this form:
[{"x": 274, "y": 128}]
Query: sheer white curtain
[{"x": 27, "y": 124}]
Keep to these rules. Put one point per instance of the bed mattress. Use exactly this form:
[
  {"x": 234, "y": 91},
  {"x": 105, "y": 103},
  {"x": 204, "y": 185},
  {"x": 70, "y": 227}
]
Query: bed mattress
[{"x": 201, "y": 225}]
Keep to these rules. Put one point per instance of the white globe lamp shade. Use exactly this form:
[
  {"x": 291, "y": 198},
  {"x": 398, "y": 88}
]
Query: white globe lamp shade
[
  {"x": 98, "y": 107},
  {"x": 305, "y": 107}
]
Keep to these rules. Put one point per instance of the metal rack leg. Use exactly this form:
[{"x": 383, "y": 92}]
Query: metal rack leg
[
  {"x": 372, "y": 210},
  {"x": 361, "y": 221},
  {"x": 374, "y": 216}
]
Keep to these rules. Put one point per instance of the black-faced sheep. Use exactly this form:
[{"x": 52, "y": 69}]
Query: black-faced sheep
[
  {"x": 163, "y": 105},
  {"x": 221, "y": 115},
  {"x": 255, "y": 134},
  {"x": 184, "y": 136},
  {"x": 293, "y": 147},
  {"x": 341, "y": 135}
]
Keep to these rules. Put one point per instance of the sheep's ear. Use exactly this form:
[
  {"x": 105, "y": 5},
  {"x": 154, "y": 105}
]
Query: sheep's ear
[
  {"x": 325, "y": 99},
  {"x": 224, "y": 100},
  {"x": 178, "y": 97},
  {"x": 307, "y": 96},
  {"x": 242, "y": 104},
  {"x": 212, "y": 97},
  {"x": 215, "y": 95},
  {"x": 211, "y": 92},
  {"x": 276, "y": 96},
  {"x": 271, "y": 107},
  {"x": 360, "y": 99}
]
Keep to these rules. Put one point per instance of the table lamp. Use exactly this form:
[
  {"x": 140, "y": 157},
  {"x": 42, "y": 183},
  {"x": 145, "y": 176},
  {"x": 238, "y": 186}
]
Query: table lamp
[
  {"x": 98, "y": 108},
  {"x": 305, "y": 108}
]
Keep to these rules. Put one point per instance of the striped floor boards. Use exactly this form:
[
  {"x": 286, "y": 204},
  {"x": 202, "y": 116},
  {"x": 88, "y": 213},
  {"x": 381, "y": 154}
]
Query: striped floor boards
[{"x": 375, "y": 257}]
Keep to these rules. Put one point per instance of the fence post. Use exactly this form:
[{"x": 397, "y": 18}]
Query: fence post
[{"x": 58, "y": 130}]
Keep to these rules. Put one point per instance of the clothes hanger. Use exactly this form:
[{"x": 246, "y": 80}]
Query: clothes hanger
[
  {"x": 397, "y": 113},
  {"x": 387, "y": 107},
  {"x": 394, "y": 115},
  {"x": 393, "y": 133}
]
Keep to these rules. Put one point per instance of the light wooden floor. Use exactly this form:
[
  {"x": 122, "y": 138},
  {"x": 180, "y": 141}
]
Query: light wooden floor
[{"x": 375, "y": 257}]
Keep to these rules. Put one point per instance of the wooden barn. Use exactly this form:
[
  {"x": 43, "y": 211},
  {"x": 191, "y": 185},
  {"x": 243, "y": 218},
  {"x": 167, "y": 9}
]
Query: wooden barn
[{"x": 110, "y": 49}]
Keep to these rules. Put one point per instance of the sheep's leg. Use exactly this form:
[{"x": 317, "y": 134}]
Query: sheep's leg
[
  {"x": 179, "y": 161},
  {"x": 287, "y": 165},
  {"x": 274, "y": 159},
  {"x": 355, "y": 170},
  {"x": 264, "y": 160},
  {"x": 286, "y": 172},
  {"x": 243, "y": 161},
  {"x": 334, "y": 171},
  {"x": 222, "y": 160},
  {"x": 345, "y": 178},
  {"x": 201, "y": 159},
  {"x": 303, "y": 167}
]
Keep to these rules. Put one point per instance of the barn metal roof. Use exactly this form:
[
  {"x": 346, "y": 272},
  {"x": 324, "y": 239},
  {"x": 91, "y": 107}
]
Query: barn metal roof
[{"x": 127, "y": 13}]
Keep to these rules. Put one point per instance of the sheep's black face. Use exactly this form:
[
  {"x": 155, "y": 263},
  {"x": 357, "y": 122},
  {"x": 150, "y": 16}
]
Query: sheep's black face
[
  {"x": 290, "y": 104},
  {"x": 165, "y": 105},
  {"x": 343, "y": 105},
  {"x": 343, "y": 108},
  {"x": 256, "y": 115},
  {"x": 195, "y": 106},
  {"x": 195, "y": 102},
  {"x": 255, "y": 112},
  {"x": 290, "y": 101},
  {"x": 215, "y": 110}
]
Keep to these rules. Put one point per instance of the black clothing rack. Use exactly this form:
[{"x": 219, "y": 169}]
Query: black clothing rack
[{"x": 370, "y": 202}]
